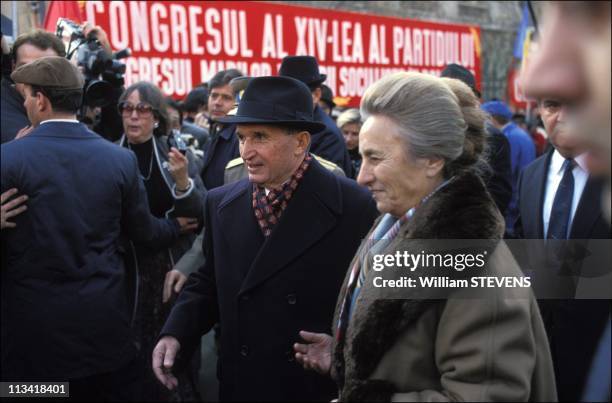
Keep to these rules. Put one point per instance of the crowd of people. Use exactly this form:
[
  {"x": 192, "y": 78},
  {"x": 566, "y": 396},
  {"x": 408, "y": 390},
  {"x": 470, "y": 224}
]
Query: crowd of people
[{"x": 232, "y": 232}]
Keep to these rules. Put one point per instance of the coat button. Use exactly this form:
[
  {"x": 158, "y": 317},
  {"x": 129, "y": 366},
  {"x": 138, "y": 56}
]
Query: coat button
[
  {"x": 291, "y": 299},
  {"x": 290, "y": 355},
  {"x": 245, "y": 297},
  {"x": 244, "y": 350}
]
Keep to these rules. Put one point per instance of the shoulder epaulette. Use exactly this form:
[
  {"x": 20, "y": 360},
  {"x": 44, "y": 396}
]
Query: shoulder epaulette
[
  {"x": 327, "y": 164},
  {"x": 235, "y": 162}
]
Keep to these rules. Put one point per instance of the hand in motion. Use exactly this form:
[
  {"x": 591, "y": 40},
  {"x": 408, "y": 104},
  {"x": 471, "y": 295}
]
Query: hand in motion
[
  {"x": 11, "y": 208},
  {"x": 315, "y": 354},
  {"x": 174, "y": 282},
  {"x": 177, "y": 165},
  {"x": 164, "y": 355}
]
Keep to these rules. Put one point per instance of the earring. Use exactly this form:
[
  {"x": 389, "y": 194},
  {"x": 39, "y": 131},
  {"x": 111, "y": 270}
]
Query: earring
[{"x": 156, "y": 125}]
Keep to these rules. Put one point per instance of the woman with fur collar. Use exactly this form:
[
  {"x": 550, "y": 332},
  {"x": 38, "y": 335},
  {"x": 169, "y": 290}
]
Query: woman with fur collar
[{"x": 421, "y": 144}]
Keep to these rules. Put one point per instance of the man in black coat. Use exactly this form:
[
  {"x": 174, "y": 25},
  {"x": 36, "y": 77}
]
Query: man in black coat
[
  {"x": 558, "y": 200},
  {"x": 499, "y": 180},
  {"x": 277, "y": 246},
  {"x": 328, "y": 142},
  {"x": 65, "y": 311},
  {"x": 223, "y": 146}
]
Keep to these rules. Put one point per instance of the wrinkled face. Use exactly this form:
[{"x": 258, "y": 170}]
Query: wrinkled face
[
  {"x": 554, "y": 116},
  {"x": 220, "y": 101},
  {"x": 138, "y": 119},
  {"x": 270, "y": 154},
  {"x": 350, "y": 131},
  {"x": 397, "y": 181}
]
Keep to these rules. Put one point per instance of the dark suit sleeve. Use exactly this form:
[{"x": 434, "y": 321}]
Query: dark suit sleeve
[
  {"x": 196, "y": 309},
  {"x": 499, "y": 184},
  {"x": 136, "y": 218},
  {"x": 518, "y": 224}
]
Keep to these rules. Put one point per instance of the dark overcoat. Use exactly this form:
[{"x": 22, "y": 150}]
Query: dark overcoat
[{"x": 263, "y": 292}]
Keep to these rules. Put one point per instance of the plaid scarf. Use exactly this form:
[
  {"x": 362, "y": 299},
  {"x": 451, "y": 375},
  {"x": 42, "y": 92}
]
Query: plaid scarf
[{"x": 269, "y": 208}]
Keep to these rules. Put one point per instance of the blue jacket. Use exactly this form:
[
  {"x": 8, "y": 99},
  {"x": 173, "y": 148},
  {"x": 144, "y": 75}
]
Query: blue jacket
[
  {"x": 263, "y": 292},
  {"x": 65, "y": 310},
  {"x": 522, "y": 152},
  {"x": 329, "y": 143}
]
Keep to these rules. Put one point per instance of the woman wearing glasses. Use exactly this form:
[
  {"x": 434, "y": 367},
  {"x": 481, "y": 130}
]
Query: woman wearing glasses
[{"x": 167, "y": 175}]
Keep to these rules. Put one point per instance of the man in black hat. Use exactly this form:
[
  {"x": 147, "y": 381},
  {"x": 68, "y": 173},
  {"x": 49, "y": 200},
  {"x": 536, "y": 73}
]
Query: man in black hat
[
  {"x": 328, "y": 142},
  {"x": 277, "y": 245},
  {"x": 499, "y": 181},
  {"x": 65, "y": 315},
  {"x": 327, "y": 100}
]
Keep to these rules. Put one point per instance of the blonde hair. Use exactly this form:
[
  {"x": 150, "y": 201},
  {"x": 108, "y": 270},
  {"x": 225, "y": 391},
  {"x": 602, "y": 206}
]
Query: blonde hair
[
  {"x": 349, "y": 116},
  {"x": 437, "y": 117}
]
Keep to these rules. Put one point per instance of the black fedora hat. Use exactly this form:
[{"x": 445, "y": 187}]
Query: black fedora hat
[
  {"x": 303, "y": 68},
  {"x": 276, "y": 101}
]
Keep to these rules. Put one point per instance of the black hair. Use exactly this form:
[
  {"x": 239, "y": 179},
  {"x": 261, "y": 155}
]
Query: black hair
[
  {"x": 150, "y": 94},
  {"x": 62, "y": 100},
  {"x": 41, "y": 39},
  {"x": 223, "y": 78}
]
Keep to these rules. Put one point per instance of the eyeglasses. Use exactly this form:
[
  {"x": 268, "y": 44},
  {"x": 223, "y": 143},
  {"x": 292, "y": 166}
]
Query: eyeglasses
[{"x": 143, "y": 109}]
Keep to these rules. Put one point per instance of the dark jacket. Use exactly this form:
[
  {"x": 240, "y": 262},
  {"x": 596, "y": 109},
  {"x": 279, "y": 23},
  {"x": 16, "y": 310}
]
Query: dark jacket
[
  {"x": 192, "y": 204},
  {"x": 218, "y": 152},
  {"x": 499, "y": 184},
  {"x": 14, "y": 116},
  {"x": 574, "y": 326},
  {"x": 433, "y": 344},
  {"x": 269, "y": 291},
  {"x": 65, "y": 313},
  {"x": 329, "y": 143}
]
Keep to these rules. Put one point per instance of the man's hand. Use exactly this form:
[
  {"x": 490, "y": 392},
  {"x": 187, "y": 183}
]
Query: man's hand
[
  {"x": 11, "y": 208},
  {"x": 164, "y": 355},
  {"x": 177, "y": 166},
  {"x": 187, "y": 224},
  {"x": 174, "y": 281},
  {"x": 24, "y": 132},
  {"x": 99, "y": 33},
  {"x": 316, "y": 353}
]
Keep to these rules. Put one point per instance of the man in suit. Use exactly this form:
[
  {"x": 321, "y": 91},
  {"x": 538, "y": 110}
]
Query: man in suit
[
  {"x": 560, "y": 200},
  {"x": 522, "y": 152},
  {"x": 277, "y": 245},
  {"x": 65, "y": 312},
  {"x": 223, "y": 146},
  {"x": 328, "y": 142}
]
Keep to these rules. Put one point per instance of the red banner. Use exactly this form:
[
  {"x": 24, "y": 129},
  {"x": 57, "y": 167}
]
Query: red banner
[{"x": 178, "y": 44}]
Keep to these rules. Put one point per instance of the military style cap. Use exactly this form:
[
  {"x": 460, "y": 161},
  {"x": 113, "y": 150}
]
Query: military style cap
[{"x": 51, "y": 72}]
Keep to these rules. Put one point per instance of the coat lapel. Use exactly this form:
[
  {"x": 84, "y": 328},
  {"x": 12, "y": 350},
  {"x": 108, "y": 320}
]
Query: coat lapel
[
  {"x": 310, "y": 214},
  {"x": 536, "y": 183},
  {"x": 588, "y": 210},
  {"x": 239, "y": 226}
]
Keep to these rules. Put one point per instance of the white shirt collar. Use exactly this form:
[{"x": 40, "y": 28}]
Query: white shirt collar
[
  {"x": 59, "y": 120},
  {"x": 556, "y": 163}
]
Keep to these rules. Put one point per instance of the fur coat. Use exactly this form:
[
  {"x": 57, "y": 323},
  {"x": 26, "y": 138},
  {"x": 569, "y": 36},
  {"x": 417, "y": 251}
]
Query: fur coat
[{"x": 453, "y": 347}]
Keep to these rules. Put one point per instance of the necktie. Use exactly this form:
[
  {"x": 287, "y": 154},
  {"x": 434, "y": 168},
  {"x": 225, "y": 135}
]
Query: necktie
[{"x": 562, "y": 204}]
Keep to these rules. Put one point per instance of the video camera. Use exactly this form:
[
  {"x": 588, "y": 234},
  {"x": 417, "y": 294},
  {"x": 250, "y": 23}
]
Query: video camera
[{"x": 102, "y": 71}]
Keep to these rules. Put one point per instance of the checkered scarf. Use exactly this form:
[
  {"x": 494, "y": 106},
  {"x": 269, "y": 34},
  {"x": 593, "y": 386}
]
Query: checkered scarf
[{"x": 269, "y": 208}]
